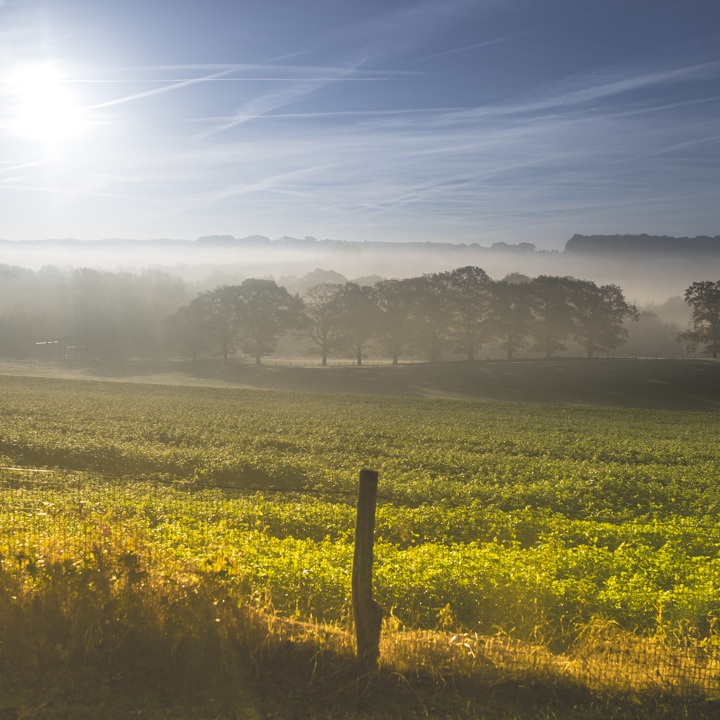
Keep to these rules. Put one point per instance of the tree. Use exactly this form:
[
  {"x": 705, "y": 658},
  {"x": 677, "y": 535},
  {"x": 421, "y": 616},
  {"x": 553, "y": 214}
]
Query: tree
[
  {"x": 249, "y": 317},
  {"x": 509, "y": 316},
  {"x": 358, "y": 316},
  {"x": 20, "y": 329},
  {"x": 263, "y": 311},
  {"x": 216, "y": 311},
  {"x": 95, "y": 322},
  {"x": 469, "y": 300},
  {"x": 321, "y": 313},
  {"x": 704, "y": 299},
  {"x": 599, "y": 314},
  {"x": 652, "y": 337},
  {"x": 117, "y": 315},
  {"x": 185, "y": 330},
  {"x": 394, "y": 300},
  {"x": 431, "y": 314},
  {"x": 551, "y": 308}
]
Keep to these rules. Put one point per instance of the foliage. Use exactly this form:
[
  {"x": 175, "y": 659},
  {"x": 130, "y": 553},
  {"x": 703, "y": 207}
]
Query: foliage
[
  {"x": 599, "y": 314},
  {"x": 469, "y": 291},
  {"x": 431, "y": 314},
  {"x": 704, "y": 299},
  {"x": 552, "y": 314},
  {"x": 455, "y": 311},
  {"x": 110, "y": 316},
  {"x": 395, "y": 301},
  {"x": 321, "y": 313},
  {"x": 358, "y": 316},
  {"x": 510, "y": 315},
  {"x": 181, "y": 542},
  {"x": 186, "y": 330},
  {"x": 263, "y": 312},
  {"x": 249, "y": 317},
  {"x": 209, "y": 321},
  {"x": 521, "y": 518}
]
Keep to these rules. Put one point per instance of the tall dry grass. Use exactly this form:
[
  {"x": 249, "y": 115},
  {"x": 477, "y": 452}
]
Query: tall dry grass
[{"x": 118, "y": 609}]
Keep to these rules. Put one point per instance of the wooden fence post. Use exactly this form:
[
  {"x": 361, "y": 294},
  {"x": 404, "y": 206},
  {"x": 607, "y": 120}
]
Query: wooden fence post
[{"x": 367, "y": 613}]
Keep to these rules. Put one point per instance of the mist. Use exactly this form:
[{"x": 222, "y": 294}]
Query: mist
[
  {"x": 120, "y": 294},
  {"x": 646, "y": 279}
]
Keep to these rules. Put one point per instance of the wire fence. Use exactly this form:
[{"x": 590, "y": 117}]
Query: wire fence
[
  {"x": 604, "y": 656},
  {"x": 610, "y": 658}
]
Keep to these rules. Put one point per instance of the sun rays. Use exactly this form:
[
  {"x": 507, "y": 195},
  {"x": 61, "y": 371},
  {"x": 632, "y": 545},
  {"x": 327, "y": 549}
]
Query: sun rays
[{"x": 40, "y": 104}]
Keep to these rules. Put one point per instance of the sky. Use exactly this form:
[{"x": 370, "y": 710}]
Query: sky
[{"x": 464, "y": 121}]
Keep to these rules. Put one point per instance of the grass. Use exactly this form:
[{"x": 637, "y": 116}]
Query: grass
[
  {"x": 690, "y": 384},
  {"x": 115, "y": 639},
  {"x": 129, "y": 588}
]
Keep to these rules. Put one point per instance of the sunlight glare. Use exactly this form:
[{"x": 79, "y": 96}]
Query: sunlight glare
[{"x": 42, "y": 106}]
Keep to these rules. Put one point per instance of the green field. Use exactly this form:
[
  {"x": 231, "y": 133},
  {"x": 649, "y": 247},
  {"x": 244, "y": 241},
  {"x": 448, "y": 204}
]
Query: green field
[{"x": 132, "y": 512}]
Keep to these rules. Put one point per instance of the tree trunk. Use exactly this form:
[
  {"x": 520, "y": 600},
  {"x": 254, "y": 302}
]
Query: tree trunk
[
  {"x": 258, "y": 359},
  {"x": 324, "y": 358},
  {"x": 359, "y": 354}
]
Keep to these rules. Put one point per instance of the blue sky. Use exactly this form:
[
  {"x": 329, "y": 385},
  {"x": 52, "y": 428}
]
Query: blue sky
[{"x": 458, "y": 121}]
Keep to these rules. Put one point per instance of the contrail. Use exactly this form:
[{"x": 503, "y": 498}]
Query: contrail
[{"x": 164, "y": 89}]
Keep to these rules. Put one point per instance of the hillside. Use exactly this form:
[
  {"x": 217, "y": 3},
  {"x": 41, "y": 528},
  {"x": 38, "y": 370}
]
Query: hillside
[{"x": 659, "y": 384}]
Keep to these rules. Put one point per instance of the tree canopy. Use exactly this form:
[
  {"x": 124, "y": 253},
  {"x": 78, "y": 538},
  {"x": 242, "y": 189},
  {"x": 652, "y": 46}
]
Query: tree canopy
[
  {"x": 704, "y": 299},
  {"x": 436, "y": 314},
  {"x": 250, "y": 317}
]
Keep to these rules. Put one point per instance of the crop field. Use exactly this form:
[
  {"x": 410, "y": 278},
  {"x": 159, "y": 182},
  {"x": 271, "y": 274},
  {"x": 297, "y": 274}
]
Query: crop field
[{"x": 542, "y": 524}]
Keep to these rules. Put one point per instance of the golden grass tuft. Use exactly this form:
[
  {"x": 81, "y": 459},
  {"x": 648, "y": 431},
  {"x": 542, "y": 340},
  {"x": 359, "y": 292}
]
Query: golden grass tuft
[{"x": 124, "y": 608}]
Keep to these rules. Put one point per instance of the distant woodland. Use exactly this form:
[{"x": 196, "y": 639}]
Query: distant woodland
[
  {"x": 647, "y": 245},
  {"x": 462, "y": 314},
  {"x": 647, "y": 268},
  {"x": 626, "y": 244}
]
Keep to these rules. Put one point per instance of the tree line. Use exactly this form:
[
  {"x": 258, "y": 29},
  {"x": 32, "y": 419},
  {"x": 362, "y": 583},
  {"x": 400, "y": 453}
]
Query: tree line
[
  {"x": 112, "y": 315},
  {"x": 153, "y": 314},
  {"x": 454, "y": 312}
]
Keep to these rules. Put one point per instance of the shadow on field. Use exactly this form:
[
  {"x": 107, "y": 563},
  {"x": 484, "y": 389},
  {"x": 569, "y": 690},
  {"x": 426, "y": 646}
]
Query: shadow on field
[
  {"x": 301, "y": 682},
  {"x": 661, "y": 384}
]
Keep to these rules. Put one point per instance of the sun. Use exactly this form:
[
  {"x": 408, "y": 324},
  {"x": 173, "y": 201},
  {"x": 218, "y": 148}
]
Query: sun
[{"x": 41, "y": 104}]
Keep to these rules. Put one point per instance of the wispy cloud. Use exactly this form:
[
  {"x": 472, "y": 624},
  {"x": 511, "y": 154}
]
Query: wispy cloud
[
  {"x": 448, "y": 174},
  {"x": 257, "y": 107},
  {"x": 452, "y": 167},
  {"x": 674, "y": 147},
  {"x": 309, "y": 115},
  {"x": 22, "y": 183},
  {"x": 586, "y": 88},
  {"x": 603, "y": 143},
  {"x": 160, "y": 90},
  {"x": 271, "y": 182},
  {"x": 21, "y": 166},
  {"x": 543, "y": 28},
  {"x": 399, "y": 31},
  {"x": 668, "y": 106},
  {"x": 298, "y": 82},
  {"x": 476, "y": 46}
]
